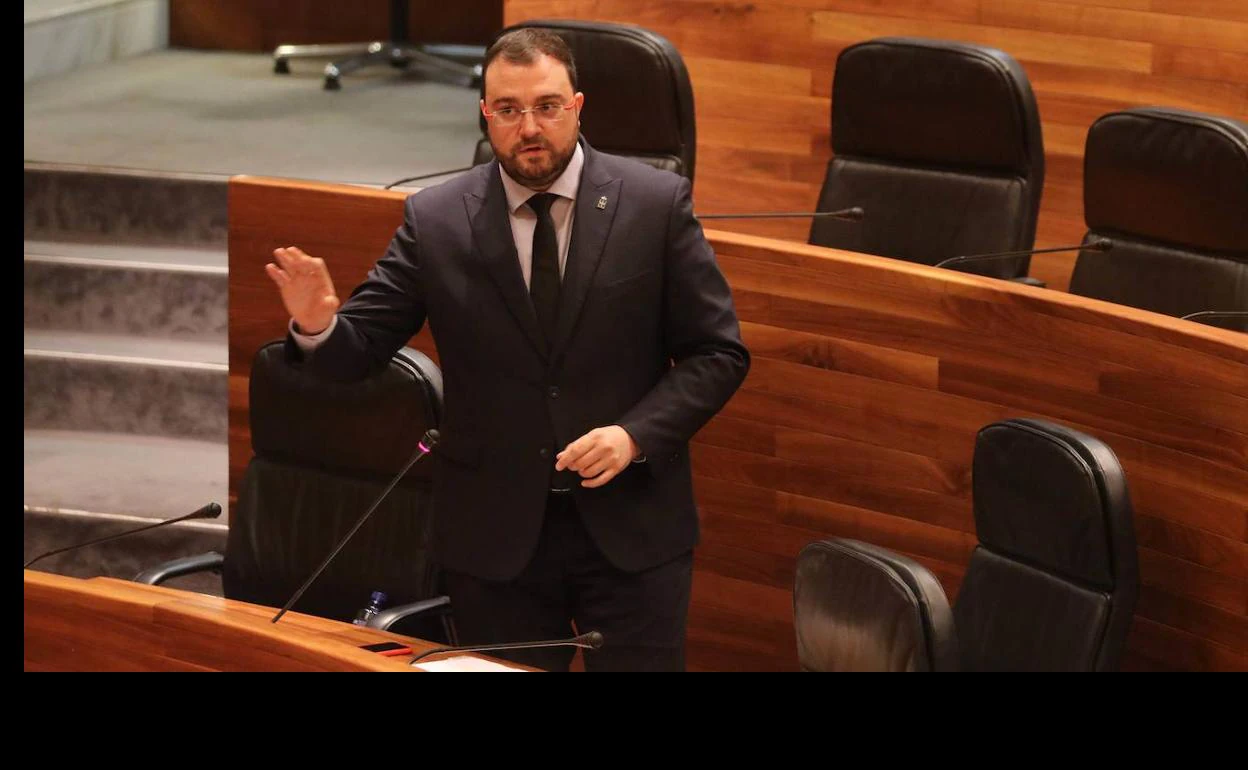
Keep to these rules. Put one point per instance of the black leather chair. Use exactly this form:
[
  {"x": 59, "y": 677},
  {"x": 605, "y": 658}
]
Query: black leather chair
[
  {"x": 459, "y": 62},
  {"x": 939, "y": 143},
  {"x": 1052, "y": 584},
  {"x": 638, "y": 99},
  {"x": 1169, "y": 187},
  {"x": 323, "y": 453},
  {"x": 858, "y": 607}
]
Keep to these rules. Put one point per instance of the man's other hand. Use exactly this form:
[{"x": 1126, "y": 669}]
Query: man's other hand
[{"x": 599, "y": 455}]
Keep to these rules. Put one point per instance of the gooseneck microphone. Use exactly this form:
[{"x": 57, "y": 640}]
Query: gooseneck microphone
[
  {"x": 1231, "y": 320},
  {"x": 427, "y": 176},
  {"x": 209, "y": 511},
  {"x": 1096, "y": 244},
  {"x": 852, "y": 214},
  {"x": 590, "y": 640},
  {"x": 423, "y": 447},
  {"x": 1203, "y": 315}
]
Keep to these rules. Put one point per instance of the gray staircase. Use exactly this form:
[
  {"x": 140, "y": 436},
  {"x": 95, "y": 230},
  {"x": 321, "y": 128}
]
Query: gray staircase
[{"x": 125, "y": 399}]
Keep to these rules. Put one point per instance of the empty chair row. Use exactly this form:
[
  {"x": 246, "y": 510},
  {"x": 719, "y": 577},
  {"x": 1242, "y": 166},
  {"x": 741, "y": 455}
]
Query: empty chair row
[{"x": 939, "y": 143}]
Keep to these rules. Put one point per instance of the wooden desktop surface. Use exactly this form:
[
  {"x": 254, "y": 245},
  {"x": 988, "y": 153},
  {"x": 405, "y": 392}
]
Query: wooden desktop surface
[
  {"x": 870, "y": 379},
  {"x": 107, "y": 624}
]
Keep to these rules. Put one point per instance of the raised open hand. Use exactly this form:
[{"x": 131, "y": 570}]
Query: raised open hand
[{"x": 307, "y": 290}]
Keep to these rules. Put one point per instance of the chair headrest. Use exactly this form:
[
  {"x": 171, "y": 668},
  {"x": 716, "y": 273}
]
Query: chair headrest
[
  {"x": 638, "y": 98},
  {"x": 858, "y": 607},
  {"x": 936, "y": 102},
  {"x": 1053, "y": 498},
  {"x": 369, "y": 427},
  {"x": 1169, "y": 175}
]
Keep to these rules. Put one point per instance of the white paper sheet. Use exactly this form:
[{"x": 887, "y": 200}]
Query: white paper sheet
[{"x": 464, "y": 663}]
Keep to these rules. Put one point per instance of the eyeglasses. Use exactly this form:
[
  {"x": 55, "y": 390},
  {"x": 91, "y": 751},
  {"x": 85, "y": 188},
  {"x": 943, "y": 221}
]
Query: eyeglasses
[{"x": 547, "y": 113}]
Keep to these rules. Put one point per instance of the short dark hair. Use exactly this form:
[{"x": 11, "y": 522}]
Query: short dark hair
[{"x": 524, "y": 45}]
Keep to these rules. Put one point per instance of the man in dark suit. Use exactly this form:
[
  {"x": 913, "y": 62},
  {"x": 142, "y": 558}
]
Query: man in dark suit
[{"x": 585, "y": 333}]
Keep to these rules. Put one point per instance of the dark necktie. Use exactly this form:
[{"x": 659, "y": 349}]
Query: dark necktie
[
  {"x": 544, "y": 279},
  {"x": 544, "y": 291}
]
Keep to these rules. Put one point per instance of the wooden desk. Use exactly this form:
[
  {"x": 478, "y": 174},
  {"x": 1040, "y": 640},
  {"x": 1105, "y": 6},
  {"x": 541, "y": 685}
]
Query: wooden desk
[
  {"x": 870, "y": 379},
  {"x": 106, "y": 624}
]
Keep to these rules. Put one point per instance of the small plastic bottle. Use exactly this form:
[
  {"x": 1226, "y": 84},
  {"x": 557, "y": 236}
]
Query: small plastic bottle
[{"x": 375, "y": 603}]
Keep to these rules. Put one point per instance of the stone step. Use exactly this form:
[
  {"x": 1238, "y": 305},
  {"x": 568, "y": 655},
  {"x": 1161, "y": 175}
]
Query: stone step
[
  {"x": 80, "y": 202},
  {"x": 125, "y": 384},
  {"x": 174, "y": 255},
  {"x": 125, "y": 337},
  {"x": 119, "y": 473},
  {"x": 133, "y": 289}
]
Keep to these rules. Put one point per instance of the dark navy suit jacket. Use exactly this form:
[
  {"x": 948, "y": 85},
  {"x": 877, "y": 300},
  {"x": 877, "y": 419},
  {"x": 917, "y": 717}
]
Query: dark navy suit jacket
[{"x": 647, "y": 338}]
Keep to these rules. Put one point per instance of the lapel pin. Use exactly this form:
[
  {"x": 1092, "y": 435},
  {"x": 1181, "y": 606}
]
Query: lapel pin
[{"x": 602, "y": 202}]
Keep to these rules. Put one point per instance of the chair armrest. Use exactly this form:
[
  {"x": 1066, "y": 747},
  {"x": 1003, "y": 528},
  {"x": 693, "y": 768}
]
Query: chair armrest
[
  {"x": 178, "y": 567},
  {"x": 1027, "y": 279},
  {"x": 386, "y": 618}
]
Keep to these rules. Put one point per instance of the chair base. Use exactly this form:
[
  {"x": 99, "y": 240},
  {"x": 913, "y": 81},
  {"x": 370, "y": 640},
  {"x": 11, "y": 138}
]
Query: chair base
[{"x": 349, "y": 57}]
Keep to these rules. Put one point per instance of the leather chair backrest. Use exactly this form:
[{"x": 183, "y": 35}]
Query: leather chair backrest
[
  {"x": 940, "y": 143},
  {"x": 1169, "y": 187},
  {"x": 323, "y": 452},
  {"x": 1052, "y": 584},
  {"x": 638, "y": 99},
  {"x": 858, "y": 607}
]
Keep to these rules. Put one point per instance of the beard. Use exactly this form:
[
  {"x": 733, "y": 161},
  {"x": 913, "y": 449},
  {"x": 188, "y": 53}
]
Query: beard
[{"x": 536, "y": 172}]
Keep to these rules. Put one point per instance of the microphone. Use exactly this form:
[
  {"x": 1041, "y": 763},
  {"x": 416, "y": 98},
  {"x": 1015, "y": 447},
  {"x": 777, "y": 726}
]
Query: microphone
[
  {"x": 1205, "y": 316},
  {"x": 209, "y": 511},
  {"x": 1096, "y": 244},
  {"x": 590, "y": 640},
  {"x": 423, "y": 447},
  {"x": 427, "y": 176},
  {"x": 852, "y": 214}
]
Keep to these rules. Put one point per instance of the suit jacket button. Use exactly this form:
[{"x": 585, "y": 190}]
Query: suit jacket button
[
  {"x": 552, "y": 391},
  {"x": 544, "y": 452}
]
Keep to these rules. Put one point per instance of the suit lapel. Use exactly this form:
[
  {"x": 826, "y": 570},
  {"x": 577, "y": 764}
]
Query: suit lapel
[
  {"x": 590, "y": 228},
  {"x": 491, "y": 231}
]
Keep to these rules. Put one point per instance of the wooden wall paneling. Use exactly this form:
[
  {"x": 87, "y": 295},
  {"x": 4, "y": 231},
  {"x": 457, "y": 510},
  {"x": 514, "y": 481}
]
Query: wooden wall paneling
[
  {"x": 1180, "y": 577},
  {"x": 219, "y": 24},
  {"x": 1230, "y": 10},
  {"x": 1181, "y": 650},
  {"x": 1089, "y": 21},
  {"x": 1023, "y": 44},
  {"x": 262, "y": 25},
  {"x": 1200, "y": 63}
]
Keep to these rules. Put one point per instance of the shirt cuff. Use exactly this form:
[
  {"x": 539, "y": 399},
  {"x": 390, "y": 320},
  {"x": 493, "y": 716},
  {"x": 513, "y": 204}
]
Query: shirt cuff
[{"x": 309, "y": 342}]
